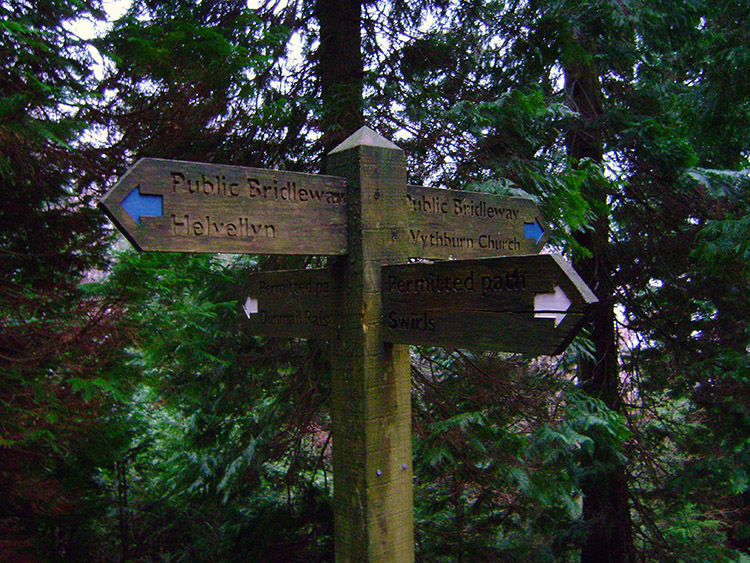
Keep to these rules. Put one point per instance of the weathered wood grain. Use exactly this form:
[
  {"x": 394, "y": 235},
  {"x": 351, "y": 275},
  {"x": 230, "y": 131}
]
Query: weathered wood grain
[
  {"x": 484, "y": 304},
  {"x": 373, "y": 508},
  {"x": 457, "y": 224},
  {"x": 291, "y": 303},
  {"x": 231, "y": 209}
]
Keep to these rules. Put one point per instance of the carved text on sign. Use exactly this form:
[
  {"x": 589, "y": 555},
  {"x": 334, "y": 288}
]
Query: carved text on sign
[
  {"x": 294, "y": 303},
  {"x": 453, "y": 224},
  {"x": 531, "y": 304},
  {"x": 179, "y": 206}
]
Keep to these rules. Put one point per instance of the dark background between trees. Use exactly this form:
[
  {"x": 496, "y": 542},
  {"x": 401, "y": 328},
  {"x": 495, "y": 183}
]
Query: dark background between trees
[{"x": 140, "y": 422}]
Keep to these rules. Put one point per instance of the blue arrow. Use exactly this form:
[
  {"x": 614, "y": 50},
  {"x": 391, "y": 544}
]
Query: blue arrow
[
  {"x": 533, "y": 230},
  {"x": 138, "y": 205}
]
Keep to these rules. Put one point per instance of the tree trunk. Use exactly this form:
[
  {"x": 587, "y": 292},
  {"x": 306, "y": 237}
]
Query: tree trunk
[
  {"x": 340, "y": 69},
  {"x": 605, "y": 492}
]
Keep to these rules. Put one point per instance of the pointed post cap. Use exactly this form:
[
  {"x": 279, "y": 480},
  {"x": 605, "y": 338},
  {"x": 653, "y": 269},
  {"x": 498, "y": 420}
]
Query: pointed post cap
[{"x": 365, "y": 136}]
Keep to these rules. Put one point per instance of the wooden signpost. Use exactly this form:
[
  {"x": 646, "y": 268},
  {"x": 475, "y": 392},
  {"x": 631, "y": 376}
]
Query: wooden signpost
[
  {"x": 370, "y": 302},
  {"x": 177, "y": 206}
]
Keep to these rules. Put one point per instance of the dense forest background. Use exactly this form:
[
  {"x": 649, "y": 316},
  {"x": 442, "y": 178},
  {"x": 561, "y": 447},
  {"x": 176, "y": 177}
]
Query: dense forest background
[{"x": 140, "y": 422}]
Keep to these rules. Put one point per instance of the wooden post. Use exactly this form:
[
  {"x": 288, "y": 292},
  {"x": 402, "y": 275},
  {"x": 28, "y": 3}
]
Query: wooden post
[{"x": 372, "y": 463}]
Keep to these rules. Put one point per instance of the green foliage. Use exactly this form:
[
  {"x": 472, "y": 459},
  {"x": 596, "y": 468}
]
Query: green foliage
[
  {"x": 60, "y": 391},
  {"x": 496, "y": 479},
  {"x": 49, "y": 232},
  {"x": 204, "y": 81},
  {"x": 226, "y": 443}
]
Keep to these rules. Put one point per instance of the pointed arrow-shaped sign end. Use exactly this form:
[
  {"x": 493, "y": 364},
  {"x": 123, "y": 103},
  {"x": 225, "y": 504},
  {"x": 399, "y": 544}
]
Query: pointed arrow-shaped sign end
[
  {"x": 533, "y": 230},
  {"x": 140, "y": 205}
]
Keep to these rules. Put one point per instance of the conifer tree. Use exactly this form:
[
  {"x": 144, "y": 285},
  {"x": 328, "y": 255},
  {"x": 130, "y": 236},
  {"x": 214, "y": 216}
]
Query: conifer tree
[{"x": 57, "y": 341}]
